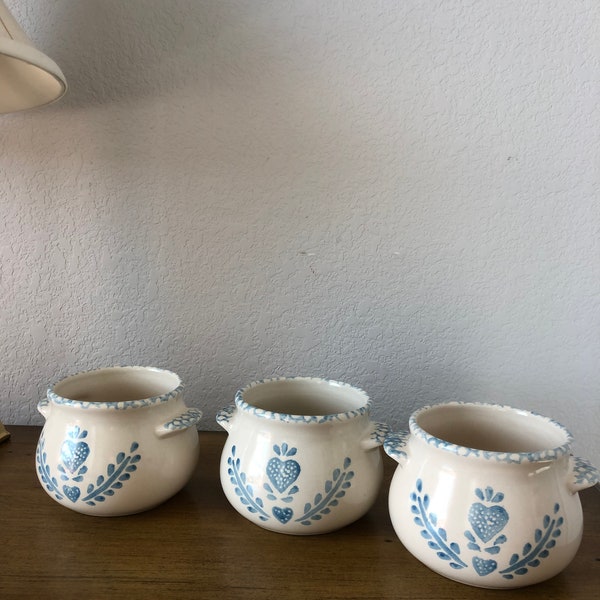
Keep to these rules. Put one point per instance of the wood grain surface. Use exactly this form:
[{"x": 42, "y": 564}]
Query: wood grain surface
[{"x": 196, "y": 546}]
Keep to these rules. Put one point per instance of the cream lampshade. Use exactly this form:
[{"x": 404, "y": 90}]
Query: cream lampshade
[{"x": 28, "y": 78}]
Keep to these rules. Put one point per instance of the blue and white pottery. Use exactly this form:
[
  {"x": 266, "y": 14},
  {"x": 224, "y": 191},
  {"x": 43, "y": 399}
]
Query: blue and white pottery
[
  {"x": 487, "y": 494},
  {"x": 302, "y": 456},
  {"x": 116, "y": 441}
]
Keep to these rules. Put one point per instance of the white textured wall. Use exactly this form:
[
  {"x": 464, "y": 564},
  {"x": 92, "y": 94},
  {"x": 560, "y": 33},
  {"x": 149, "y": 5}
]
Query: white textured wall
[{"x": 401, "y": 195}]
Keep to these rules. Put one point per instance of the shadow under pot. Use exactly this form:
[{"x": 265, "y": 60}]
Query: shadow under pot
[
  {"x": 116, "y": 441},
  {"x": 302, "y": 455},
  {"x": 487, "y": 494}
]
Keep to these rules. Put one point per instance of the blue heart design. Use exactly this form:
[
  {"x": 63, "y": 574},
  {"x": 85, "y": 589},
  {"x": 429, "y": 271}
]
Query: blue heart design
[
  {"x": 71, "y": 492},
  {"x": 282, "y": 473},
  {"x": 283, "y": 514},
  {"x": 484, "y": 567},
  {"x": 487, "y": 521},
  {"x": 74, "y": 454}
]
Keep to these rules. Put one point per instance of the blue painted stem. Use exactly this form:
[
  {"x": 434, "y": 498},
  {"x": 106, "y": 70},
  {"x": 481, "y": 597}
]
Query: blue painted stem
[
  {"x": 323, "y": 504},
  {"x": 437, "y": 537},
  {"x": 108, "y": 483},
  {"x": 242, "y": 488},
  {"x": 529, "y": 557}
]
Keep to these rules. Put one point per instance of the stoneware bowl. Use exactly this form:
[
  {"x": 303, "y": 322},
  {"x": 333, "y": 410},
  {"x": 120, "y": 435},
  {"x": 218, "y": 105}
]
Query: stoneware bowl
[
  {"x": 487, "y": 494},
  {"x": 116, "y": 441},
  {"x": 302, "y": 455}
]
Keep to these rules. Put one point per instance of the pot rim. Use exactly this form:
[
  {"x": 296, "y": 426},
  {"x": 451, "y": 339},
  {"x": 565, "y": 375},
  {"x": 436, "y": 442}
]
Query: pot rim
[
  {"x": 122, "y": 405},
  {"x": 547, "y": 454},
  {"x": 262, "y": 413}
]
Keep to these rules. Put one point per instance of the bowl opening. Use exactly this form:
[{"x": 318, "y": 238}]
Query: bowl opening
[
  {"x": 306, "y": 397},
  {"x": 117, "y": 384},
  {"x": 491, "y": 428}
]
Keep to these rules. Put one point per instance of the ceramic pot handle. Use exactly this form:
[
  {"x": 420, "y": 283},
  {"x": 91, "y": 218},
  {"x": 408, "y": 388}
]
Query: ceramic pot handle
[
  {"x": 395, "y": 445},
  {"x": 225, "y": 415},
  {"x": 582, "y": 474},
  {"x": 180, "y": 423},
  {"x": 44, "y": 407},
  {"x": 375, "y": 436}
]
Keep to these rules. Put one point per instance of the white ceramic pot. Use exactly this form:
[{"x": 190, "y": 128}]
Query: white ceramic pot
[
  {"x": 116, "y": 441},
  {"x": 302, "y": 456},
  {"x": 487, "y": 494}
]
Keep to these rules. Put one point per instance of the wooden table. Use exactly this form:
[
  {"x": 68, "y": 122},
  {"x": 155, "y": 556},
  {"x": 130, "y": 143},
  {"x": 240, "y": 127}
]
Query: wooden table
[{"x": 197, "y": 546}]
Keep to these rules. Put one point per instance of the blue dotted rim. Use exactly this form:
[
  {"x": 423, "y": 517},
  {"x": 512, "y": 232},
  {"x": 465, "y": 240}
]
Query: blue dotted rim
[
  {"x": 507, "y": 457},
  {"x": 308, "y": 419},
  {"x": 125, "y": 404}
]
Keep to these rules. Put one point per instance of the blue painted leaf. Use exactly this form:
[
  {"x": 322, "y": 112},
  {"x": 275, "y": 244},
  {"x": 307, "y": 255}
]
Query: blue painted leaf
[
  {"x": 117, "y": 485},
  {"x": 433, "y": 545},
  {"x": 90, "y": 488},
  {"x": 489, "y": 492},
  {"x": 333, "y": 503},
  {"x": 556, "y": 533},
  {"x": 110, "y": 469},
  {"x": 414, "y": 510},
  {"x": 292, "y": 452},
  {"x": 469, "y": 536},
  {"x": 455, "y": 548},
  {"x": 479, "y": 494},
  {"x": 556, "y": 508},
  {"x": 134, "y": 447},
  {"x": 78, "y": 479},
  {"x": 120, "y": 457},
  {"x": 340, "y": 494},
  {"x": 316, "y": 517},
  {"x": 100, "y": 480},
  {"x": 318, "y": 498},
  {"x": 328, "y": 486},
  {"x": 426, "y": 534},
  {"x": 433, "y": 518},
  {"x": 294, "y": 490},
  {"x": 513, "y": 559},
  {"x": 277, "y": 450},
  {"x": 492, "y": 550},
  {"x": 527, "y": 548},
  {"x": 135, "y": 458},
  {"x": 509, "y": 576},
  {"x": 426, "y": 501},
  {"x": 131, "y": 468},
  {"x": 124, "y": 477},
  {"x": 544, "y": 554},
  {"x": 546, "y": 520},
  {"x": 267, "y": 487},
  {"x": 560, "y": 521},
  {"x": 500, "y": 539},
  {"x": 347, "y": 462},
  {"x": 251, "y": 509},
  {"x": 346, "y": 485},
  {"x": 443, "y": 556},
  {"x": 413, "y": 497},
  {"x": 284, "y": 448},
  {"x": 259, "y": 502},
  {"x": 336, "y": 474},
  {"x": 534, "y": 563},
  {"x": 521, "y": 571},
  {"x": 109, "y": 492},
  {"x": 100, "y": 498},
  {"x": 473, "y": 546},
  {"x": 271, "y": 497},
  {"x": 443, "y": 533},
  {"x": 307, "y": 507},
  {"x": 287, "y": 499},
  {"x": 419, "y": 486},
  {"x": 498, "y": 497},
  {"x": 419, "y": 522},
  {"x": 305, "y": 522},
  {"x": 455, "y": 566},
  {"x": 325, "y": 511},
  {"x": 83, "y": 470},
  {"x": 262, "y": 518},
  {"x": 551, "y": 544}
]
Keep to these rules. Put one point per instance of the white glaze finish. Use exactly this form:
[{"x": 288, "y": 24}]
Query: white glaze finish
[
  {"x": 505, "y": 515},
  {"x": 301, "y": 471},
  {"x": 116, "y": 441}
]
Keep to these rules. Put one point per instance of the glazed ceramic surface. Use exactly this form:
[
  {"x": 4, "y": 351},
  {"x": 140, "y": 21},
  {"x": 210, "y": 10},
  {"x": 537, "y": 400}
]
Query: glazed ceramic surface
[
  {"x": 486, "y": 494},
  {"x": 116, "y": 441},
  {"x": 302, "y": 455}
]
